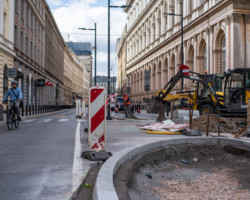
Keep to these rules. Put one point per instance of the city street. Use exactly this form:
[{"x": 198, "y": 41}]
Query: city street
[
  {"x": 41, "y": 160},
  {"x": 36, "y": 160}
]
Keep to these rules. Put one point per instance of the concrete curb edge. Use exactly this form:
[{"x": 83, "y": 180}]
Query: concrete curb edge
[{"x": 104, "y": 187}]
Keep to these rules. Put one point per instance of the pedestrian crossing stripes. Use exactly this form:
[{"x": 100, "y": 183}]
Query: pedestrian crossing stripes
[
  {"x": 45, "y": 120},
  {"x": 30, "y": 120},
  {"x": 63, "y": 120}
]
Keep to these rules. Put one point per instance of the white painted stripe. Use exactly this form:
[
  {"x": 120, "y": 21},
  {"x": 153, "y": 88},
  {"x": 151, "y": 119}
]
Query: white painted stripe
[
  {"x": 30, "y": 120},
  {"x": 97, "y": 104},
  {"x": 77, "y": 162},
  {"x": 97, "y": 134},
  {"x": 63, "y": 120},
  {"x": 47, "y": 120}
]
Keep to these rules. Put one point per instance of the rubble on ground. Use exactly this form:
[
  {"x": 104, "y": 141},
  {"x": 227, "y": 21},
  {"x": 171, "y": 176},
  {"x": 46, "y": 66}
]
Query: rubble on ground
[
  {"x": 227, "y": 125},
  {"x": 206, "y": 186},
  {"x": 165, "y": 125}
]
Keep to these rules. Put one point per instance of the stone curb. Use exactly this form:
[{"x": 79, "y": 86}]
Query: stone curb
[{"x": 104, "y": 187}]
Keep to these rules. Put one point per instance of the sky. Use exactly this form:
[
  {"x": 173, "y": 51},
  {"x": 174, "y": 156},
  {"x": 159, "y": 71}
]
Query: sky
[{"x": 72, "y": 14}]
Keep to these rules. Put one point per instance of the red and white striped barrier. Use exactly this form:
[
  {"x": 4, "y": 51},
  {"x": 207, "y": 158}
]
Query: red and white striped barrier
[{"x": 97, "y": 119}]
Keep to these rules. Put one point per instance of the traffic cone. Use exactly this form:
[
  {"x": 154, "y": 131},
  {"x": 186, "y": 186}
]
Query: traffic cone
[{"x": 138, "y": 109}]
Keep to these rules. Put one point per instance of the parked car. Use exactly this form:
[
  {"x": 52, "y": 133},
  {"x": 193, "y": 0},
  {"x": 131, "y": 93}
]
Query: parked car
[{"x": 119, "y": 103}]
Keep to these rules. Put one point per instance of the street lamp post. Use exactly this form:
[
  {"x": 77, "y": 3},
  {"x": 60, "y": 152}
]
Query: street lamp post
[
  {"x": 93, "y": 29},
  {"x": 109, "y": 80},
  {"x": 182, "y": 38}
]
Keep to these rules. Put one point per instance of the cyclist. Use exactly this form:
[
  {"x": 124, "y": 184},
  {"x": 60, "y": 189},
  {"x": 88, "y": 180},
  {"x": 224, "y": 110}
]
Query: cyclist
[{"x": 16, "y": 96}]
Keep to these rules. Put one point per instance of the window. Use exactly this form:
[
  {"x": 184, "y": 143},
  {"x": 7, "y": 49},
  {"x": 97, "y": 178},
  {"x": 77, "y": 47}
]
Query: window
[
  {"x": 27, "y": 46},
  {"x": 16, "y": 5},
  {"x": 31, "y": 22},
  {"x": 15, "y": 38},
  {"x": 31, "y": 50},
  {"x": 27, "y": 16},
  {"x": 248, "y": 80},
  {"x": 224, "y": 54},
  {"x": 5, "y": 81},
  {"x": 205, "y": 58},
  {"x": 22, "y": 41},
  {"x": 22, "y": 9},
  {"x": 35, "y": 58},
  {"x": 4, "y": 24}
]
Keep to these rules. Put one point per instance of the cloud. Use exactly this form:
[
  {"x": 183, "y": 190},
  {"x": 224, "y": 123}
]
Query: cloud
[{"x": 84, "y": 13}]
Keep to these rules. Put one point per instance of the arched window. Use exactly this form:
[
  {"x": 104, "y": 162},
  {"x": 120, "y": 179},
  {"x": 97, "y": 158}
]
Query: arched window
[
  {"x": 224, "y": 54},
  {"x": 205, "y": 57},
  {"x": 27, "y": 90},
  {"x": 5, "y": 81}
]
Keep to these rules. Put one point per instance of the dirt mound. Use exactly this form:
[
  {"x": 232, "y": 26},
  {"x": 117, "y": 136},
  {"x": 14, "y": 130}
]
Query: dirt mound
[{"x": 227, "y": 125}]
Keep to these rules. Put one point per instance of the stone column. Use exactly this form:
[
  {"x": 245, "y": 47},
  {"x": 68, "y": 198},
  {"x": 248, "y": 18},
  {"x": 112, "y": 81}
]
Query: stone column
[
  {"x": 228, "y": 43},
  {"x": 238, "y": 45},
  {"x": 195, "y": 67},
  {"x": 210, "y": 51}
]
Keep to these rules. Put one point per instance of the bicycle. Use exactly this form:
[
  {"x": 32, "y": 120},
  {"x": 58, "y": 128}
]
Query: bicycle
[{"x": 12, "y": 116}]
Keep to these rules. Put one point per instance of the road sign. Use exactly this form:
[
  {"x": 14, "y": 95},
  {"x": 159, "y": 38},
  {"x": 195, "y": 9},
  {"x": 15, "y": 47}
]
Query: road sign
[
  {"x": 12, "y": 72},
  {"x": 185, "y": 69},
  {"x": 48, "y": 83},
  {"x": 97, "y": 119},
  {"x": 41, "y": 83}
]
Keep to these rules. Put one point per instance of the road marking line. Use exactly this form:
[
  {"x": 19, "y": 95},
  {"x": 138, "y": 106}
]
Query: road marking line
[
  {"x": 30, "y": 120},
  {"x": 63, "y": 120},
  {"x": 77, "y": 169},
  {"x": 47, "y": 120}
]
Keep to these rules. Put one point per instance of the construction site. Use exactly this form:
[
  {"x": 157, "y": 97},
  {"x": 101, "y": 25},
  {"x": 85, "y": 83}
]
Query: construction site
[{"x": 183, "y": 145}]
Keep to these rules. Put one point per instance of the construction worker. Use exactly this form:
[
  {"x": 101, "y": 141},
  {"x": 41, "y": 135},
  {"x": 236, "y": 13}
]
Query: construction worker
[{"x": 127, "y": 105}]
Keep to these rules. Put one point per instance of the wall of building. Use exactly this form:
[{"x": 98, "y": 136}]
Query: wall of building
[
  {"x": 6, "y": 43},
  {"x": 68, "y": 77},
  {"x": 122, "y": 59},
  {"x": 215, "y": 39},
  {"x": 86, "y": 62}
]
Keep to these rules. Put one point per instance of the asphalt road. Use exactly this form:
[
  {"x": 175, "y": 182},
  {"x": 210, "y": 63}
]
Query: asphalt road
[{"x": 36, "y": 160}]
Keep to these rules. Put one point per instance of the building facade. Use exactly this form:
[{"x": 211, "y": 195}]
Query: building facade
[
  {"x": 54, "y": 58},
  {"x": 102, "y": 81},
  {"x": 121, "y": 50},
  {"x": 73, "y": 81},
  {"x": 7, "y": 52},
  {"x": 216, "y": 38},
  {"x": 29, "y": 42},
  {"x": 83, "y": 51}
]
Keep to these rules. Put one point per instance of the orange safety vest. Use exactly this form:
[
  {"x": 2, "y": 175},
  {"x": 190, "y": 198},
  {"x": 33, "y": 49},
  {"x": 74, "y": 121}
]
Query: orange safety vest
[{"x": 126, "y": 100}]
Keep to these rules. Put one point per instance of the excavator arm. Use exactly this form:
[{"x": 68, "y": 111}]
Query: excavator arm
[{"x": 201, "y": 78}]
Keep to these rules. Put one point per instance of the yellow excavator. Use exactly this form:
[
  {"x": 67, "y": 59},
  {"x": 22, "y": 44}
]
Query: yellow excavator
[{"x": 229, "y": 92}]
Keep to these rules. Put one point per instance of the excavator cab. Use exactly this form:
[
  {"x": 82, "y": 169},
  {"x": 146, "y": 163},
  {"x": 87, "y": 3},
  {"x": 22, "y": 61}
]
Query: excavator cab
[{"x": 237, "y": 90}]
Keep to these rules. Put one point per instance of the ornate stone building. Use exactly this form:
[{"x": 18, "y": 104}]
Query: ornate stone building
[
  {"x": 83, "y": 50},
  {"x": 29, "y": 42},
  {"x": 54, "y": 61},
  {"x": 6, "y": 43},
  {"x": 216, "y": 38},
  {"x": 121, "y": 50},
  {"x": 73, "y": 77}
]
